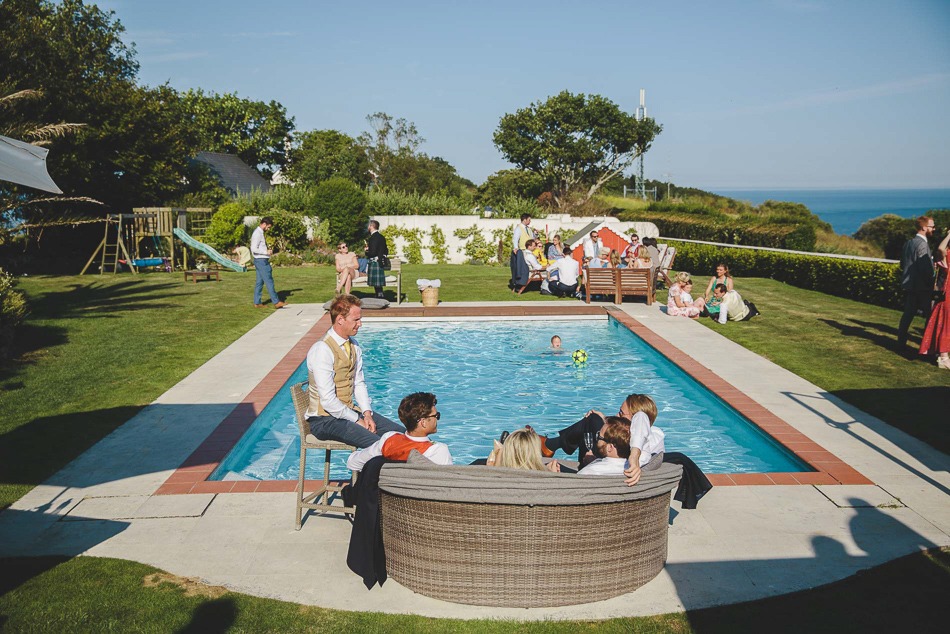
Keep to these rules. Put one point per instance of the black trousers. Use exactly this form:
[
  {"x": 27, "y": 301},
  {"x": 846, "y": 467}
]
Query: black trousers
[
  {"x": 581, "y": 435},
  {"x": 561, "y": 290},
  {"x": 914, "y": 301}
]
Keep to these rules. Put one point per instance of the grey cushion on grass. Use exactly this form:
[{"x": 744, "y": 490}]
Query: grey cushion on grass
[
  {"x": 371, "y": 303},
  {"x": 419, "y": 478}
]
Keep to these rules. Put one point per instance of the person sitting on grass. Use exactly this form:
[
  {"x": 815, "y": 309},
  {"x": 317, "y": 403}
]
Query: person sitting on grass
[
  {"x": 728, "y": 305},
  {"x": 680, "y": 302},
  {"x": 421, "y": 418},
  {"x": 722, "y": 277}
]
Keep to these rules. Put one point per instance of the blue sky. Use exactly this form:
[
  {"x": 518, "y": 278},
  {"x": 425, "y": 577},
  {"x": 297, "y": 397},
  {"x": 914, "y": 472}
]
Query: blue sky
[{"x": 769, "y": 94}]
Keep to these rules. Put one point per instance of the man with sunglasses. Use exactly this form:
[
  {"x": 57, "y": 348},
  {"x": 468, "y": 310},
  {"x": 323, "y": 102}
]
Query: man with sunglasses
[
  {"x": 421, "y": 418},
  {"x": 613, "y": 445},
  {"x": 917, "y": 279}
]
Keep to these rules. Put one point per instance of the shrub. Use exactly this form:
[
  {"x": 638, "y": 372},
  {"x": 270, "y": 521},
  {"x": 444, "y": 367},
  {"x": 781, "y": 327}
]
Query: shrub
[
  {"x": 288, "y": 233},
  {"x": 396, "y": 203},
  {"x": 717, "y": 228},
  {"x": 343, "y": 205},
  {"x": 478, "y": 250},
  {"x": 12, "y": 313},
  {"x": 412, "y": 250},
  {"x": 888, "y": 232},
  {"x": 227, "y": 229},
  {"x": 438, "y": 248},
  {"x": 868, "y": 282}
]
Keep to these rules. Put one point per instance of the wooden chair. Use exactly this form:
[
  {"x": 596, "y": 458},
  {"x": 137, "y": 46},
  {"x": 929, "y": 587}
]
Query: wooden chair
[
  {"x": 535, "y": 276},
  {"x": 664, "y": 266},
  {"x": 301, "y": 399},
  {"x": 601, "y": 282},
  {"x": 393, "y": 278},
  {"x": 636, "y": 282}
]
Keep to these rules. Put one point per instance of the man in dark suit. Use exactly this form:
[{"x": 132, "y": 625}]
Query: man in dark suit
[
  {"x": 917, "y": 278},
  {"x": 376, "y": 247}
]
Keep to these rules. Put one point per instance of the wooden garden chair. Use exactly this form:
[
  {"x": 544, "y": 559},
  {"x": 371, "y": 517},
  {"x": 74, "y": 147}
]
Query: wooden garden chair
[
  {"x": 301, "y": 399},
  {"x": 601, "y": 282},
  {"x": 636, "y": 282}
]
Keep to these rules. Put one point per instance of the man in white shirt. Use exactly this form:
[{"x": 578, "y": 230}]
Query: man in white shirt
[
  {"x": 592, "y": 246},
  {"x": 530, "y": 259},
  {"x": 261, "y": 254},
  {"x": 613, "y": 444},
  {"x": 336, "y": 384},
  {"x": 421, "y": 418},
  {"x": 520, "y": 234},
  {"x": 568, "y": 270}
]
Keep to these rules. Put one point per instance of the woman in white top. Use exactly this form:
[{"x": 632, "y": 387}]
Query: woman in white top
[{"x": 681, "y": 302}]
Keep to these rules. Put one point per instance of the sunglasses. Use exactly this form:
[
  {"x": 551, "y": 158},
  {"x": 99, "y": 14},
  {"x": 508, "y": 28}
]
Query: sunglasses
[
  {"x": 600, "y": 437},
  {"x": 437, "y": 416}
]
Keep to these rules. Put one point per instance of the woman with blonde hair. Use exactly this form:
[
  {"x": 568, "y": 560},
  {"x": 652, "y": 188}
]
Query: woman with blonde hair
[
  {"x": 522, "y": 450},
  {"x": 681, "y": 302},
  {"x": 614, "y": 259},
  {"x": 642, "y": 261}
]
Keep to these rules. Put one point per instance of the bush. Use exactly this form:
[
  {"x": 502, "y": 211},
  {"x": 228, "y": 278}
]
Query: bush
[
  {"x": 227, "y": 229},
  {"x": 868, "y": 282},
  {"x": 889, "y": 232},
  {"x": 12, "y": 313},
  {"x": 396, "y": 203},
  {"x": 343, "y": 206},
  {"x": 716, "y": 228},
  {"x": 288, "y": 233}
]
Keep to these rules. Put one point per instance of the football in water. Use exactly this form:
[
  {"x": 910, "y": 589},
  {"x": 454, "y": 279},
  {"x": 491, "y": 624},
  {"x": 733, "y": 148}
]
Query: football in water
[{"x": 580, "y": 357}]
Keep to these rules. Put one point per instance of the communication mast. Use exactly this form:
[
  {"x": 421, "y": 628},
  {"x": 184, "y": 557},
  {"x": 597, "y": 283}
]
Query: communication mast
[{"x": 640, "y": 186}]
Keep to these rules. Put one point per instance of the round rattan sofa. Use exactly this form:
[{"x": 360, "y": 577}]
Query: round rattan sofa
[{"x": 512, "y": 538}]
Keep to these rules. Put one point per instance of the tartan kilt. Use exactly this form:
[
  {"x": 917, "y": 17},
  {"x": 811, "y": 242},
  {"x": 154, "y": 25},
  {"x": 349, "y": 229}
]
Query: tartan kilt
[{"x": 375, "y": 275}]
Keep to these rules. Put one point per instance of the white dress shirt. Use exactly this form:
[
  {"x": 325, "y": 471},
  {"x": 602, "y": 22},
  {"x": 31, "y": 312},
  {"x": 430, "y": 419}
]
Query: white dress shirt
[
  {"x": 532, "y": 261},
  {"x": 437, "y": 453},
  {"x": 320, "y": 363},
  {"x": 568, "y": 271},
  {"x": 259, "y": 244},
  {"x": 645, "y": 437},
  {"x": 605, "y": 466},
  {"x": 590, "y": 249}
]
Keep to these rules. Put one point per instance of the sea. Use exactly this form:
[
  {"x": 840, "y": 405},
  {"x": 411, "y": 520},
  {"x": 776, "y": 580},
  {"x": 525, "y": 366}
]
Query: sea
[{"x": 847, "y": 209}]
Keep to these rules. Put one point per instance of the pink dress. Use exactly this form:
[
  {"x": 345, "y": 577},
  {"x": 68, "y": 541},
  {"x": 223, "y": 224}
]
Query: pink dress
[
  {"x": 689, "y": 310},
  {"x": 936, "y": 338}
]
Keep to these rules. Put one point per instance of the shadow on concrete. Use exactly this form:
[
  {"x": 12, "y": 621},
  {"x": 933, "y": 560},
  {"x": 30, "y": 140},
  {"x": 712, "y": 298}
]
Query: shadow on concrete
[
  {"x": 911, "y": 602},
  {"x": 928, "y": 456}
]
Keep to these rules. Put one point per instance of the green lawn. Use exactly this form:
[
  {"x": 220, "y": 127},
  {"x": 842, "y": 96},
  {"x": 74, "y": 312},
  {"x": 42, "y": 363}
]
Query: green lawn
[
  {"x": 89, "y": 594},
  {"x": 97, "y": 349}
]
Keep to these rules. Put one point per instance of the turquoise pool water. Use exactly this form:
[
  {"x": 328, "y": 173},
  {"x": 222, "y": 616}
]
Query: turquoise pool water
[{"x": 490, "y": 376}]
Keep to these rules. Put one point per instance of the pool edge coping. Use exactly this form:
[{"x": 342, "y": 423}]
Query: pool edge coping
[{"x": 191, "y": 476}]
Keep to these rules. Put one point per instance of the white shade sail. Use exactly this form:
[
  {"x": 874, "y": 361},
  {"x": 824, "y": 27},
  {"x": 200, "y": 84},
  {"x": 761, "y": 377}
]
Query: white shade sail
[{"x": 25, "y": 164}]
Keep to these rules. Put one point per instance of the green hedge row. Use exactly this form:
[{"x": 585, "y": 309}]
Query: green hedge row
[
  {"x": 797, "y": 237},
  {"x": 868, "y": 282}
]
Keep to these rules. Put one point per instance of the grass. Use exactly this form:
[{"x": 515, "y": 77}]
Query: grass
[
  {"x": 845, "y": 347},
  {"x": 89, "y": 594},
  {"x": 97, "y": 349}
]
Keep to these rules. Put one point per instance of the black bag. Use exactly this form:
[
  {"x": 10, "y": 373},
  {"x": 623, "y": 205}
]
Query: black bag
[{"x": 384, "y": 263}]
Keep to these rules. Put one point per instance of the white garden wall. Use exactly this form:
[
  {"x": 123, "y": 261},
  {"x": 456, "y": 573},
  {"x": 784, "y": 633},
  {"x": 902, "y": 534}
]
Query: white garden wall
[{"x": 456, "y": 246}]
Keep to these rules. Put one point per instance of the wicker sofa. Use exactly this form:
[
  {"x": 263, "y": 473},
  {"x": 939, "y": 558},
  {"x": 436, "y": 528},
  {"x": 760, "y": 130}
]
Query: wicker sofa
[{"x": 511, "y": 538}]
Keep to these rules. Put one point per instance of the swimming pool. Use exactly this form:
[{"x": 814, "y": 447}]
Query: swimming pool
[{"x": 492, "y": 375}]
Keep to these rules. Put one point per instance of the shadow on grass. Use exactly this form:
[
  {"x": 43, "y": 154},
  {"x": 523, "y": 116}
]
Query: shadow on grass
[
  {"x": 879, "y": 334},
  {"x": 96, "y": 299},
  {"x": 212, "y": 617}
]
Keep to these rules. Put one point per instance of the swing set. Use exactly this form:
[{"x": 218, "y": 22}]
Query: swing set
[{"x": 124, "y": 235}]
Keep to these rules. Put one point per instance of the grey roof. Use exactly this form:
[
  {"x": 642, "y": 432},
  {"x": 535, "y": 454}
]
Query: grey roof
[
  {"x": 235, "y": 175},
  {"x": 583, "y": 233}
]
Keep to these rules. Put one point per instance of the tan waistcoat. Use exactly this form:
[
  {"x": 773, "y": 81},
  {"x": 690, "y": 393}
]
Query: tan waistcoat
[{"x": 344, "y": 371}]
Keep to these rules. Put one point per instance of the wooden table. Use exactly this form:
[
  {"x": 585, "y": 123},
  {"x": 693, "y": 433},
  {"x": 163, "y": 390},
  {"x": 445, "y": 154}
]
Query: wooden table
[{"x": 196, "y": 274}]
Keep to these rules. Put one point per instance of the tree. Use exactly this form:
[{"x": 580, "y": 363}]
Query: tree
[
  {"x": 132, "y": 149},
  {"x": 254, "y": 130},
  {"x": 343, "y": 206},
  {"x": 889, "y": 232},
  {"x": 388, "y": 141},
  {"x": 505, "y": 184},
  {"x": 319, "y": 155},
  {"x": 574, "y": 142}
]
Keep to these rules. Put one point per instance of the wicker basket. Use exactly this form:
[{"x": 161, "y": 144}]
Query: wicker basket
[
  {"x": 430, "y": 296},
  {"x": 524, "y": 556}
]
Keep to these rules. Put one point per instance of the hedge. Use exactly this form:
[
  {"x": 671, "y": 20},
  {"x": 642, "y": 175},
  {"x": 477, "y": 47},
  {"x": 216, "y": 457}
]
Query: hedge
[
  {"x": 714, "y": 228},
  {"x": 868, "y": 282}
]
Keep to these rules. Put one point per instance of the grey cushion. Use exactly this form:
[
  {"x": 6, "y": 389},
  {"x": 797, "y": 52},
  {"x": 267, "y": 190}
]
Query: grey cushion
[
  {"x": 422, "y": 479},
  {"x": 371, "y": 303}
]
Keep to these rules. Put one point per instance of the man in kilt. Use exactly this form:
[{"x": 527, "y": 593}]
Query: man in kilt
[{"x": 376, "y": 248}]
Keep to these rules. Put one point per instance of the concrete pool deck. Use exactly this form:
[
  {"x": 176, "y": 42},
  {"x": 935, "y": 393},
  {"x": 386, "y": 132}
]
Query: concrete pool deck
[{"x": 743, "y": 542}]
